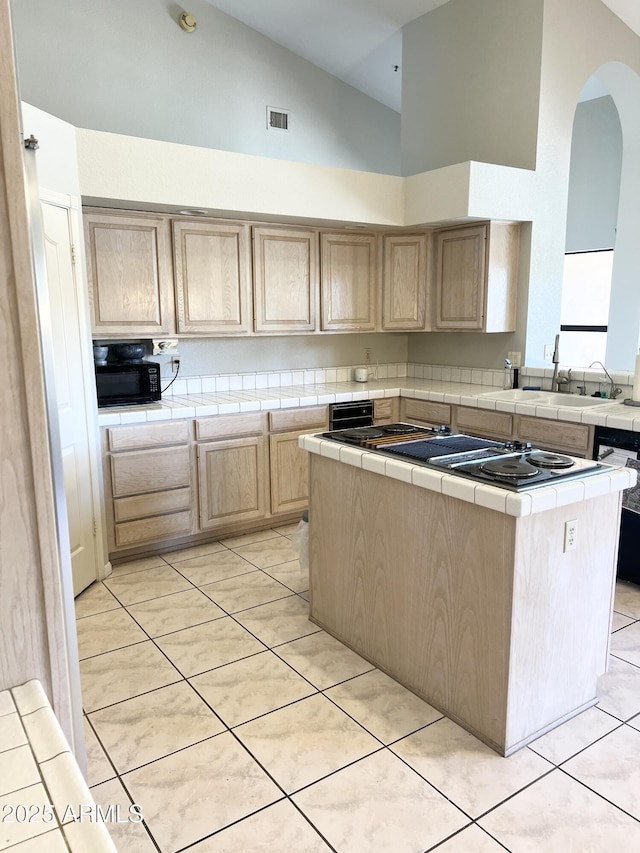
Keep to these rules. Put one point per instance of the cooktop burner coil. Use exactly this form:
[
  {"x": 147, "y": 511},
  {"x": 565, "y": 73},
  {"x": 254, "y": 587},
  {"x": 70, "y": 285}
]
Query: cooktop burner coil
[
  {"x": 511, "y": 469},
  {"x": 544, "y": 459},
  {"x": 363, "y": 432},
  {"x": 400, "y": 429}
]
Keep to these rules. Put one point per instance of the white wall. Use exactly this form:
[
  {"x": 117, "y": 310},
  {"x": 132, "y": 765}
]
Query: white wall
[
  {"x": 594, "y": 178},
  {"x": 207, "y": 356},
  {"x": 580, "y": 37},
  {"x": 127, "y": 67},
  {"x": 470, "y": 84}
]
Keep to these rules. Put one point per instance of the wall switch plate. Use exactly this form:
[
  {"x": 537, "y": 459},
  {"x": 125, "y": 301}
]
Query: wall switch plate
[
  {"x": 515, "y": 358},
  {"x": 548, "y": 352},
  {"x": 570, "y": 535},
  {"x": 165, "y": 346}
]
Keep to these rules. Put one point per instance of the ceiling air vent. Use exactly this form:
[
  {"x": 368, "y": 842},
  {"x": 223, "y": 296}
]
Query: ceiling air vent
[{"x": 277, "y": 119}]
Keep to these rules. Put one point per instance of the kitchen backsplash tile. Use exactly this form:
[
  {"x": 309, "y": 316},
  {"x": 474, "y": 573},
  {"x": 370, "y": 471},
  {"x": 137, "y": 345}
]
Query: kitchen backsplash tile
[{"x": 594, "y": 380}]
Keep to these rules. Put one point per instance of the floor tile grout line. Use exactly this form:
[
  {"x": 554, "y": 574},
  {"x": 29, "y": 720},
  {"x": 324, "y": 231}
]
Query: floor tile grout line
[
  {"x": 104, "y": 749},
  {"x": 462, "y": 829},
  {"x": 598, "y": 794},
  {"x": 428, "y": 781},
  {"x": 624, "y": 660},
  {"x": 271, "y": 648},
  {"x": 232, "y": 731},
  {"x": 506, "y": 799},
  {"x": 144, "y": 822},
  {"x": 473, "y": 821},
  {"x": 559, "y": 764}
]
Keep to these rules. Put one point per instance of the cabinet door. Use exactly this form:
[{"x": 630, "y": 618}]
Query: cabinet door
[
  {"x": 289, "y": 473},
  {"x": 424, "y": 411},
  {"x": 404, "y": 282},
  {"x": 285, "y": 271},
  {"x": 483, "y": 423},
  {"x": 348, "y": 282},
  {"x": 576, "y": 439},
  {"x": 213, "y": 277},
  {"x": 231, "y": 481},
  {"x": 130, "y": 275},
  {"x": 460, "y": 278},
  {"x": 386, "y": 411}
]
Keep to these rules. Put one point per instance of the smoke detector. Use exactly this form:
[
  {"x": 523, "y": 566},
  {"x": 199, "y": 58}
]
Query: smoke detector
[{"x": 187, "y": 22}]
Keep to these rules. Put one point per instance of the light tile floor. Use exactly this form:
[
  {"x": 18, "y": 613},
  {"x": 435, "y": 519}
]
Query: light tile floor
[{"x": 240, "y": 727}]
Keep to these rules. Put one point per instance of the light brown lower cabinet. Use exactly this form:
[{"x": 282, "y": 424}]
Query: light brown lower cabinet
[
  {"x": 231, "y": 481},
  {"x": 149, "y": 494},
  {"x": 575, "y": 439},
  {"x": 288, "y": 463},
  {"x": 483, "y": 422},
  {"x": 289, "y": 468},
  {"x": 386, "y": 411},
  {"x": 424, "y": 412}
]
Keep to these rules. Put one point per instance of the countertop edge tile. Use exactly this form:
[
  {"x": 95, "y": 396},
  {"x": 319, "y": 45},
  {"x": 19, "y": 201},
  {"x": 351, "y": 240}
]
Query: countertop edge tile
[{"x": 463, "y": 393}]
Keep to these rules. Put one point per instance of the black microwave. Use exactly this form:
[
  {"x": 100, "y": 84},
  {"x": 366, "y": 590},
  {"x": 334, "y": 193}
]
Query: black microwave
[{"x": 123, "y": 384}]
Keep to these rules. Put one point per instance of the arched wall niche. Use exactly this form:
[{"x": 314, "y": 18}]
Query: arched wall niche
[{"x": 623, "y": 339}]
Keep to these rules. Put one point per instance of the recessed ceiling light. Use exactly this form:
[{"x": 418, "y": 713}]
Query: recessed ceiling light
[{"x": 194, "y": 211}]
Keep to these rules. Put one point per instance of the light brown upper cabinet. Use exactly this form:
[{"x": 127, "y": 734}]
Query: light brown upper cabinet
[
  {"x": 285, "y": 271},
  {"x": 404, "y": 282},
  {"x": 130, "y": 275},
  {"x": 476, "y": 273},
  {"x": 212, "y": 276},
  {"x": 348, "y": 273}
]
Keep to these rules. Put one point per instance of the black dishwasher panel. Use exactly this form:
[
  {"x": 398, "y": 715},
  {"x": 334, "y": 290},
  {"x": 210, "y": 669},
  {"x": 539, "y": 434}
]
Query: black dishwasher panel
[{"x": 622, "y": 447}]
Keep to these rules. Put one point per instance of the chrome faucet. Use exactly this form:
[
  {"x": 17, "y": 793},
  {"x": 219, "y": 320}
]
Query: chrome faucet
[
  {"x": 613, "y": 391},
  {"x": 508, "y": 380},
  {"x": 555, "y": 384}
]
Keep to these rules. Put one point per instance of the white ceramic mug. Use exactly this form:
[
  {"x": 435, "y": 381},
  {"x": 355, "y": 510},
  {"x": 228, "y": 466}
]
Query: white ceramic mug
[{"x": 360, "y": 374}]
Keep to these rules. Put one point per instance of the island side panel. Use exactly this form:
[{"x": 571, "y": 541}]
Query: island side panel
[
  {"x": 420, "y": 584},
  {"x": 561, "y": 613}
]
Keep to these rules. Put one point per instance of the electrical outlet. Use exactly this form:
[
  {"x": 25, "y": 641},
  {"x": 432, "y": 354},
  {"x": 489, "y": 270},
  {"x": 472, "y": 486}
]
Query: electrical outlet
[
  {"x": 548, "y": 352},
  {"x": 515, "y": 358},
  {"x": 175, "y": 364},
  {"x": 367, "y": 355},
  {"x": 570, "y": 535}
]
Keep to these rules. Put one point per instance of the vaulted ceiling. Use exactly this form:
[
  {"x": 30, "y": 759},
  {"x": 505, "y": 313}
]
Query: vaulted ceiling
[{"x": 358, "y": 41}]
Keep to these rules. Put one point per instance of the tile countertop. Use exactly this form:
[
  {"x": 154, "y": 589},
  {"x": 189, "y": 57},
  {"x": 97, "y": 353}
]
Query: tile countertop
[
  {"x": 517, "y": 504},
  {"x": 45, "y": 804},
  {"x": 610, "y": 413}
]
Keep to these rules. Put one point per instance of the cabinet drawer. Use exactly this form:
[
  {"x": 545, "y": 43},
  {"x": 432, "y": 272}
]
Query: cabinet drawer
[
  {"x": 555, "y": 434},
  {"x": 230, "y": 426},
  {"x": 141, "y": 471},
  {"x": 153, "y": 529},
  {"x": 424, "y": 410},
  {"x": 157, "y": 503},
  {"x": 483, "y": 422},
  {"x": 290, "y": 419},
  {"x": 148, "y": 435}
]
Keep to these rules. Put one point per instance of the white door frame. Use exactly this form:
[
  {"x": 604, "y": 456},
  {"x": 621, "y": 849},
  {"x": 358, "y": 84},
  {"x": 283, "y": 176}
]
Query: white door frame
[{"x": 72, "y": 205}]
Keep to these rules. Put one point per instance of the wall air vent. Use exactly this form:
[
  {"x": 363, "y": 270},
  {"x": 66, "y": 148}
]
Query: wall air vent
[{"x": 277, "y": 119}]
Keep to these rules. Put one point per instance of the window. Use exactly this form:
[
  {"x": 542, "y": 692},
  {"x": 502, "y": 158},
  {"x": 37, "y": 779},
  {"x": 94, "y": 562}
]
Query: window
[{"x": 586, "y": 292}]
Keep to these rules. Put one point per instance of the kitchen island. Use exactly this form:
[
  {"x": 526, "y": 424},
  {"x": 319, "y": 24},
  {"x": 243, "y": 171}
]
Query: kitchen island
[{"x": 463, "y": 592}]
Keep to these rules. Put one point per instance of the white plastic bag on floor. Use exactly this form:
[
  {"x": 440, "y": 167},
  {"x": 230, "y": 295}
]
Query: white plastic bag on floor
[{"x": 300, "y": 540}]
